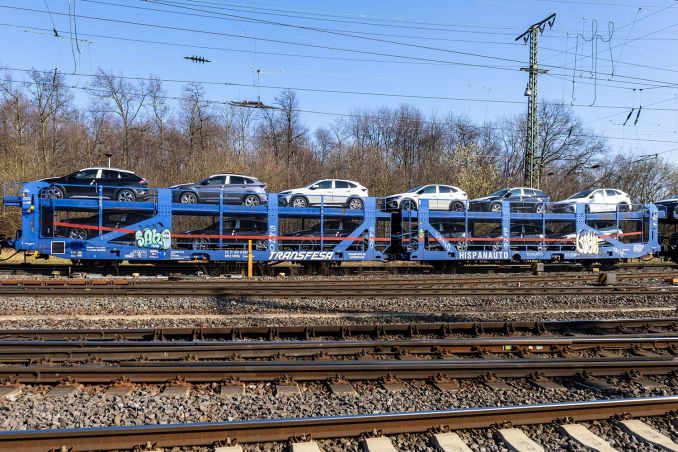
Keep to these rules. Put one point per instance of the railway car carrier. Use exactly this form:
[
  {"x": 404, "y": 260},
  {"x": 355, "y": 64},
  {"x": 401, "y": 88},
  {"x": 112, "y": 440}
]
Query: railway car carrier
[{"x": 158, "y": 229}]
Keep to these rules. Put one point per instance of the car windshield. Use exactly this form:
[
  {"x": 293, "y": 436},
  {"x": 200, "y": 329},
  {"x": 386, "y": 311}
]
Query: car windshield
[
  {"x": 499, "y": 192},
  {"x": 581, "y": 194},
  {"x": 413, "y": 189}
]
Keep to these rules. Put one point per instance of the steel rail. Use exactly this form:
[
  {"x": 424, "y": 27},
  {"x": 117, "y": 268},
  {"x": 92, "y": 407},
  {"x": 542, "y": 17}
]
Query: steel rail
[
  {"x": 77, "y": 351},
  {"x": 442, "y": 329},
  {"x": 329, "y": 291},
  {"x": 216, "y": 371},
  {"x": 392, "y": 281},
  {"x": 193, "y": 267},
  {"x": 259, "y": 431}
]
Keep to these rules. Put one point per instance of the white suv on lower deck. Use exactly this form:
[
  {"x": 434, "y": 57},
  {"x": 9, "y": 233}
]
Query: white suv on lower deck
[{"x": 328, "y": 192}]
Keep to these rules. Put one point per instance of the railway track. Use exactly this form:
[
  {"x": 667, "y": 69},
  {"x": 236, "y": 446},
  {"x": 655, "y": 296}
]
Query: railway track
[
  {"x": 116, "y": 351},
  {"x": 664, "y": 325},
  {"x": 415, "y": 287},
  {"x": 162, "y": 372},
  {"x": 261, "y": 431},
  {"x": 646, "y": 346},
  {"x": 272, "y": 270}
]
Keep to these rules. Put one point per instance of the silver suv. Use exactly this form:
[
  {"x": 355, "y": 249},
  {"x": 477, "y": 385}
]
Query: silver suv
[{"x": 232, "y": 188}]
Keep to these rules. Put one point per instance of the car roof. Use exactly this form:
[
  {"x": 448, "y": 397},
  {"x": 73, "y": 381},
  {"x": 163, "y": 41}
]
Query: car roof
[
  {"x": 233, "y": 174},
  {"x": 106, "y": 168}
]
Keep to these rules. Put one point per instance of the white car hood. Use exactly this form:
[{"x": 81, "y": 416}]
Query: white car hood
[{"x": 402, "y": 195}]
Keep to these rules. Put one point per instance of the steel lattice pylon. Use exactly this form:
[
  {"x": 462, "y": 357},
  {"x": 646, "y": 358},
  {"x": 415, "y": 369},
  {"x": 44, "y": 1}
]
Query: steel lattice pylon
[{"x": 532, "y": 164}]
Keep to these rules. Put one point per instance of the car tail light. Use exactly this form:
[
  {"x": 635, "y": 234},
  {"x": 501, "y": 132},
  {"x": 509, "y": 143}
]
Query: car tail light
[{"x": 143, "y": 182}]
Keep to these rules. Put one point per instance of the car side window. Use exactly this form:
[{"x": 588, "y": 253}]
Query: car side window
[
  {"x": 86, "y": 174},
  {"x": 340, "y": 184},
  {"x": 516, "y": 192},
  {"x": 216, "y": 180},
  {"x": 230, "y": 224},
  {"x": 324, "y": 184},
  {"x": 110, "y": 175},
  {"x": 528, "y": 192},
  {"x": 428, "y": 190},
  {"x": 444, "y": 189},
  {"x": 248, "y": 181},
  {"x": 611, "y": 192},
  {"x": 237, "y": 180},
  {"x": 352, "y": 185}
]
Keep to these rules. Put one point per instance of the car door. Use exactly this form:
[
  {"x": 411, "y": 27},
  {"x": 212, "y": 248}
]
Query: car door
[
  {"x": 444, "y": 198},
  {"x": 210, "y": 189},
  {"x": 515, "y": 197},
  {"x": 597, "y": 201},
  {"x": 322, "y": 193},
  {"x": 341, "y": 193},
  {"x": 234, "y": 189},
  {"x": 429, "y": 192},
  {"x": 84, "y": 184},
  {"x": 109, "y": 182}
]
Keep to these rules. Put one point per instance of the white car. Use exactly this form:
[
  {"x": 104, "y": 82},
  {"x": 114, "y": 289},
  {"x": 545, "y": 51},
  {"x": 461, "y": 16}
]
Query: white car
[
  {"x": 328, "y": 192},
  {"x": 440, "y": 197},
  {"x": 597, "y": 200}
]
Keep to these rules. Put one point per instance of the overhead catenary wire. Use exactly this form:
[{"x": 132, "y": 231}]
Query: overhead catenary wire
[
  {"x": 659, "y": 83},
  {"x": 354, "y": 115}
]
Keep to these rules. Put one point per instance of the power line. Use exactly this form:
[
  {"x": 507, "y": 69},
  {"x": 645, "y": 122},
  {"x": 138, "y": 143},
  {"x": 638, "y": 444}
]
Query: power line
[
  {"x": 225, "y": 16},
  {"x": 348, "y": 115},
  {"x": 255, "y": 38},
  {"x": 422, "y": 59}
]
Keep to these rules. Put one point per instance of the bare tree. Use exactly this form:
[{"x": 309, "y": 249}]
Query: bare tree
[
  {"x": 50, "y": 98},
  {"x": 123, "y": 99}
]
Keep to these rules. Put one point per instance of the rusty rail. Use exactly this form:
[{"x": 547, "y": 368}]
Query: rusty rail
[
  {"x": 257, "y": 431},
  {"x": 441, "y": 329},
  {"x": 217, "y": 371},
  {"x": 115, "y": 351}
]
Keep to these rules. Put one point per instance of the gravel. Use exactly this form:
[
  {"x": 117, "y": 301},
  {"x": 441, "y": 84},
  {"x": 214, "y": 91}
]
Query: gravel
[{"x": 145, "y": 312}]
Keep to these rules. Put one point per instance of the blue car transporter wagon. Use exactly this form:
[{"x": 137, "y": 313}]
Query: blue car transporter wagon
[{"x": 158, "y": 229}]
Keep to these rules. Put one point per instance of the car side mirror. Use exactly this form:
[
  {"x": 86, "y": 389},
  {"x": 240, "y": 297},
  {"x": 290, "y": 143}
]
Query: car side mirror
[
  {"x": 314, "y": 187},
  {"x": 507, "y": 195}
]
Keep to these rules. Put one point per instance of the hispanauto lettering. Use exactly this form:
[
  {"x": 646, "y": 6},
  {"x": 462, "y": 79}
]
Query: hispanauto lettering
[
  {"x": 483, "y": 255},
  {"x": 301, "y": 256}
]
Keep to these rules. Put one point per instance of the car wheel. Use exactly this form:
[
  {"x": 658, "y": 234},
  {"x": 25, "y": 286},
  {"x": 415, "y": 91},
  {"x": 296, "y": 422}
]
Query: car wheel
[
  {"x": 199, "y": 244},
  {"x": 623, "y": 207},
  {"x": 539, "y": 208},
  {"x": 126, "y": 195},
  {"x": 53, "y": 193},
  {"x": 188, "y": 198},
  {"x": 251, "y": 200},
  {"x": 299, "y": 201},
  {"x": 462, "y": 246},
  {"x": 495, "y": 207},
  {"x": 457, "y": 206},
  {"x": 77, "y": 234},
  {"x": 260, "y": 245},
  {"x": 497, "y": 246},
  {"x": 355, "y": 204},
  {"x": 541, "y": 247},
  {"x": 408, "y": 204}
]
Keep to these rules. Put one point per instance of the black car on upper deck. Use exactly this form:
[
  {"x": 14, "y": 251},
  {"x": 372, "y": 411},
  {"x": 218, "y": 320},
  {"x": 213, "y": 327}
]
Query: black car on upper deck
[
  {"x": 109, "y": 183},
  {"x": 521, "y": 198}
]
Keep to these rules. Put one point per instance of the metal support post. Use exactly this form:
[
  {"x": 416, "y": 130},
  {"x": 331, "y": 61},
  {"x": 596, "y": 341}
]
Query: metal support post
[{"x": 533, "y": 164}]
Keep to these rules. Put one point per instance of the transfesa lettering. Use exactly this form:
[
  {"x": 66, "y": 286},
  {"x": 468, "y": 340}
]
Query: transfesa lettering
[{"x": 300, "y": 256}]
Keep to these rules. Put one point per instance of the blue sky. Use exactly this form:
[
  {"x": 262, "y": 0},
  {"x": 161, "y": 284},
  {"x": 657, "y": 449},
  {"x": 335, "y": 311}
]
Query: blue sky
[{"x": 604, "y": 57}]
